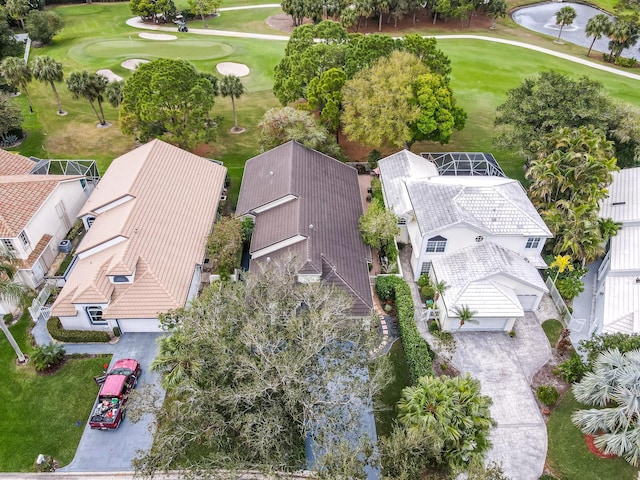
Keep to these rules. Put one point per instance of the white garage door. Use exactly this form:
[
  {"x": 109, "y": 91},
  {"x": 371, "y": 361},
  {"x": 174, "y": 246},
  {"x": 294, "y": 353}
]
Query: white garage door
[
  {"x": 485, "y": 325},
  {"x": 528, "y": 302},
  {"x": 139, "y": 325}
]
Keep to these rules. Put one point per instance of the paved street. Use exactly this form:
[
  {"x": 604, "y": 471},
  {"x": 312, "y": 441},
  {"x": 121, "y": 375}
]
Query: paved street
[
  {"x": 505, "y": 367},
  {"x": 106, "y": 451}
]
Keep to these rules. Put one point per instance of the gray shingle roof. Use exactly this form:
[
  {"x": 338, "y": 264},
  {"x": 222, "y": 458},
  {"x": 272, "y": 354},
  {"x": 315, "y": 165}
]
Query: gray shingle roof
[{"x": 324, "y": 208}]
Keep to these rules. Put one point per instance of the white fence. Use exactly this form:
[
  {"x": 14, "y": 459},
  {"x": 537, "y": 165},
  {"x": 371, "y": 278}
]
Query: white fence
[
  {"x": 566, "y": 315},
  {"x": 37, "y": 307}
]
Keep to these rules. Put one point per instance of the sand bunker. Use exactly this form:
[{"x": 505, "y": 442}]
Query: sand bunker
[
  {"x": 230, "y": 68},
  {"x": 157, "y": 36},
  {"x": 133, "y": 63},
  {"x": 112, "y": 77}
]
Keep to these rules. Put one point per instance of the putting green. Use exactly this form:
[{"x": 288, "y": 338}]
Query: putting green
[{"x": 135, "y": 47}]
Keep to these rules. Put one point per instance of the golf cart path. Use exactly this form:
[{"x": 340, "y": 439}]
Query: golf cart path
[{"x": 136, "y": 22}]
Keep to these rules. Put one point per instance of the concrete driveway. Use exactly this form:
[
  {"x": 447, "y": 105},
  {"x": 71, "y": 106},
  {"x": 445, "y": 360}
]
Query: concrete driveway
[
  {"x": 505, "y": 367},
  {"x": 113, "y": 450}
]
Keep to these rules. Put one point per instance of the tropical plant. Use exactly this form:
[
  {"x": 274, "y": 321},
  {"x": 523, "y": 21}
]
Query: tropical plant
[
  {"x": 624, "y": 33},
  {"x": 115, "y": 92},
  {"x": 18, "y": 9},
  {"x": 231, "y": 86},
  {"x": 11, "y": 293},
  {"x": 439, "y": 288},
  {"x": 572, "y": 370},
  {"x": 569, "y": 287},
  {"x": 562, "y": 263},
  {"x": 597, "y": 344},
  {"x": 175, "y": 361},
  {"x": 614, "y": 387},
  {"x": 565, "y": 16},
  {"x": 17, "y": 73},
  {"x": 465, "y": 315},
  {"x": 454, "y": 410},
  {"x": 596, "y": 27},
  {"x": 46, "y": 69},
  {"x": 10, "y": 119},
  {"x": 46, "y": 356},
  {"x": 91, "y": 87}
]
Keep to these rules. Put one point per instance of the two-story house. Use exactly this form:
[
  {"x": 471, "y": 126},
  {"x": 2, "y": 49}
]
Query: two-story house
[
  {"x": 148, "y": 221},
  {"x": 479, "y": 234}
]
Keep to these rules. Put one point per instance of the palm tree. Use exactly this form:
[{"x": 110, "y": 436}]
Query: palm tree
[
  {"x": 175, "y": 360},
  {"x": 438, "y": 288},
  {"x": 10, "y": 292},
  {"x": 608, "y": 228},
  {"x": 18, "y": 74},
  {"x": 18, "y": 9},
  {"x": 231, "y": 86},
  {"x": 115, "y": 93},
  {"x": 597, "y": 26},
  {"x": 496, "y": 9},
  {"x": 91, "y": 87},
  {"x": 622, "y": 34},
  {"x": 453, "y": 410},
  {"x": 46, "y": 69},
  {"x": 614, "y": 383},
  {"x": 465, "y": 314},
  {"x": 565, "y": 16}
]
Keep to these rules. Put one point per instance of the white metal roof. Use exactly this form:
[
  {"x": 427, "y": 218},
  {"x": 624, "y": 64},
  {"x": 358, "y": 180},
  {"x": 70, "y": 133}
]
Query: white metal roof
[
  {"x": 621, "y": 304},
  {"x": 623, "y": 203},
  {"x": 625, "y": 250},
  {"x": 488, "y": 299}
]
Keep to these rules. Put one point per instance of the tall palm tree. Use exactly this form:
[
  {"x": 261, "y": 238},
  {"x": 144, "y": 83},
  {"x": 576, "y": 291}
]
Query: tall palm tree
[
  {"x": 46, "y": 69},
  {"x": 439, "y": 288},
  {"x": 175, "y": 360},
  {"x": 91, "y": 87},
  {"x": 565, "y": 16},
  {"x": 10, "y": 292},
  {"x": 597, "y": 26},
  {"x": 465, "y": 315},
  {"x": 231, "y": 86},
  {"x": 18, "y": 74},
  {"x": 18, "y": 9},
  {"x": 614, "y": 383},
  {"x": 115, "y": 93}
]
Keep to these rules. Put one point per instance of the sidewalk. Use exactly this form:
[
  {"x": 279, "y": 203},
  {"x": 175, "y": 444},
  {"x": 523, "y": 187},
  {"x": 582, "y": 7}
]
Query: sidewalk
[{"x": 42, "y": 337}]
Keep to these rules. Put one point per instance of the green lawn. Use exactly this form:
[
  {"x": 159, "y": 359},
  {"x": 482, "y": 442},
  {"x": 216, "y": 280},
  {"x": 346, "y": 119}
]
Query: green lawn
[
  {"x": 42, "y": 414},
  {"x": 552, "y": 329},
  {"x": 386, "y": 402},
  {"x": 568, "y": 456}
]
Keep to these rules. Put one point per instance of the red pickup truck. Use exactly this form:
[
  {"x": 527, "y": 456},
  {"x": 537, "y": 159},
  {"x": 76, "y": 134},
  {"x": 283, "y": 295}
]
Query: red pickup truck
[{"x": 109, "y": 408}]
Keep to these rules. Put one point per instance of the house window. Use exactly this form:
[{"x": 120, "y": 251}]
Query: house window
[
  {"x": 95, "y": 316},
  {"x": 532, "y": 242},
  {"x": 23, "y": 238},
  {"x": 402, "y": 221},
  {"x": 120, "y": 279},
  {"x": 7, "y": 243},
  {"x": 90, "y": 221},
  {"x": 436, "y": 244},
  {"x": 425, "y": 268}
]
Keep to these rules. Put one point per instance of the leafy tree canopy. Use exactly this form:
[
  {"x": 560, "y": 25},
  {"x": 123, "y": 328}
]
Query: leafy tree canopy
[
  {"x": 225, "y": 245},
  {"x": 42, "y": 26},
  {"x": 378, "y": 226},
  {"x": 169, "y": 99},
  {"x": 10, "y": 116},
  {"x": 252, "y": 368}
]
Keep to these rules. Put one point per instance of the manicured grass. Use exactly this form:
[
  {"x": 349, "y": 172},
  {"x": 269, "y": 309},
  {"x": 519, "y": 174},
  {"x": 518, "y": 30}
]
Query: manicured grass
[
  {"x": 42, "y": 414},
  {"x": 252, "y": 21},
  {"x": 552, "y": 329},
  {"x": 568, "y": 456},
  {"x": 386, "y": 402}
]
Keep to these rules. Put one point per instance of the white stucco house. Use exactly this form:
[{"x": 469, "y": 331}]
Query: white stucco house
[
  {"x": 478, "y": 233},
  {"x": 36, "y": 213},
  {"x": 618, "y": 278},
  {"x": 148, "y": 221}
]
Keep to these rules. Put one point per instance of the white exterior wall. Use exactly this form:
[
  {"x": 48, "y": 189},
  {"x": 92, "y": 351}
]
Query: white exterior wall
[
  {"x": 81, "y": 320},
  {"x": 46, "y": 221}
]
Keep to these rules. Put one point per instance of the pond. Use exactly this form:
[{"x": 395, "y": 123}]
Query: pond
[{"x": 542, "y": 18}]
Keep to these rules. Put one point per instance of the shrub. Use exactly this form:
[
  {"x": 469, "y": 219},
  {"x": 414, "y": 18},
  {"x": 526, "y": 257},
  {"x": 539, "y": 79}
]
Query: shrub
[
  {"x": 372, "y": 158},
  {"x": 434, "y": 327},
  {"x": 424, "y": 280},
  {"x": 547, "y": 477},
  {"x": 573, "y": 369},
  {"x": 7, "y": 318},
  {"x": 116, "y": 332},
  {"x": 47, "y": 356},
  {"x": 599, "y": 343},
  {"x": 57, "y": 331},
  {"x": 548, "y": 394},
  {"x": 626, "y": 62},
  {"x": 569, "y": 287},
  {"x": 376, "y": 189},
  {"x": 75, "y": 230},
  {"x": 385, "y": 287},
  {"x": 391, "y": 251},
  {"x": 419, "y": 354},
  {"x": 427, "y": 292}
]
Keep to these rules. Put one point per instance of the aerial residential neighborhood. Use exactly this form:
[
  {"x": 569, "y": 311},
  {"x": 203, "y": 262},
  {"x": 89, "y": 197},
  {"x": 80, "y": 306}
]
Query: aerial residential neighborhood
[{"x": 349, "y": 240}]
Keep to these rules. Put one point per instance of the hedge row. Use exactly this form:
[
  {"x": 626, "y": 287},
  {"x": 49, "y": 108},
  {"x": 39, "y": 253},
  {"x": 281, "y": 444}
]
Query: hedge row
[
  {"x": 419, "y": 354},
  {"x": 57, "y": 331}
]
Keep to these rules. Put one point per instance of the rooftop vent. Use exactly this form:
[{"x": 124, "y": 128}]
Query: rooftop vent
[{"x": 619, "y": 203}]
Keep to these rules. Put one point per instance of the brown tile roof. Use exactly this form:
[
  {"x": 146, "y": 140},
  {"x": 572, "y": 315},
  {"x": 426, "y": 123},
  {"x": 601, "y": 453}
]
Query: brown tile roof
[
  {"x": 325, "y": 211},
  {"x": 20, "y": 198},
  {"x": 162, "y": 232},
  {"x": 14, "y": 164},
  {"x": 37, "y": 251}
]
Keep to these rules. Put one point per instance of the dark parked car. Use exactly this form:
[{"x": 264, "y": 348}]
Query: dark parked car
[{"x": 109, "y": 408}]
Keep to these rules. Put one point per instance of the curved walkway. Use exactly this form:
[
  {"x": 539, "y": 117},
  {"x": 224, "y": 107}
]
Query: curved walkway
[{"x": 136, "y": 22}]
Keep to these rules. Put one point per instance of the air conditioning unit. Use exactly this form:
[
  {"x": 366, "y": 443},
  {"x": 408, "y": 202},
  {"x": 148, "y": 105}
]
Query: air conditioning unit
[{"x": 64, "y": 246}]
